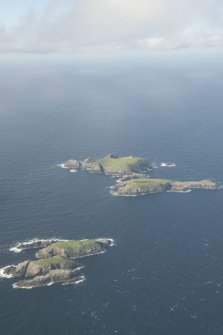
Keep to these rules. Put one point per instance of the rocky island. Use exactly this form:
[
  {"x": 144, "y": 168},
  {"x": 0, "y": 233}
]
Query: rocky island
[
  {"x": 132, "y": 173},
  {"x": 55, "y": 263},
  {"x": 112, "y": 165},
  {"x": 143, "y": 186}
]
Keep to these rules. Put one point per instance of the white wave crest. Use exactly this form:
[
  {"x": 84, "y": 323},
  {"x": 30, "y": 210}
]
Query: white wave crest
[
  {"x": 116, "y": 194},
  {"x": 24, "y": 287},
  {"x": 62, "y": 166},
  {"x": 3, "y": 274},
  {"x": 75, "y": 281},
  {"x": 20, "y": 246},
  {"x": 167, "y": 164},
  {"x": 111, "y": 240}
]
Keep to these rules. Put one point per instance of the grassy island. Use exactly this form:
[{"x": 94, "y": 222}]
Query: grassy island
[
  {"x": 72, "y": 249},
  {"x": 112, "y": 165},
  {"x": 124, "y": 165},
  {"x": 142, "y": 186}
]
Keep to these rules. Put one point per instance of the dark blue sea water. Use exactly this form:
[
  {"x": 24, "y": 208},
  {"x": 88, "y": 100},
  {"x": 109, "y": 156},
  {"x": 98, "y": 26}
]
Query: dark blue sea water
[{"x": 165, "y": 274}]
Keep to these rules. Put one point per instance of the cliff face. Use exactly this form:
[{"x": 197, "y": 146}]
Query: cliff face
[
  {"x": 73, "y": 164},
  {"x": 91, "y": 164},
  {"x": 42, "y": 267},
  {"x": 17, "y": 271},
  {"x": 114, "y": 165},
  {"x": 39, "y": 267}
]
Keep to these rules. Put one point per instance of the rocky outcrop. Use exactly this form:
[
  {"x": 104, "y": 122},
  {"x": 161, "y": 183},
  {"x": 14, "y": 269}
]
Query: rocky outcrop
[
  {"x": 39, "y": 267},
  {"x": 17, "y": 271},
  {"x": 42, "y": 267},
  {"x": 91, "y": 164},
  {"x": 72, "y": 164},
  {"x": 52, "y": 277},
  {"x": 187, "y": 185}
]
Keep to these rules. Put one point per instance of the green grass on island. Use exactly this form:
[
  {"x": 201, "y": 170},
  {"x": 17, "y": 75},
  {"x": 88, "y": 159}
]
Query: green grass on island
[
  {"x": 54, "y": 261},
  {"x": 147, "y": 183},
  {"x": 75, "y": 245},
  {"x": 125, "y": 164}
]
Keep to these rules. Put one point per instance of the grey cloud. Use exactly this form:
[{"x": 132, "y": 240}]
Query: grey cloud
[{"x": 90, "y": 25}]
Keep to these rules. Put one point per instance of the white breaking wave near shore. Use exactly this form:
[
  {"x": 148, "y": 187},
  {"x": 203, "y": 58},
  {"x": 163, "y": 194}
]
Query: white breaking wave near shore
[
  {"x": 63, "y": 166},
  {"x": 80, "y": 280},
  {"x": 3, "y": 274},
  {"x": 167, "y": 164},
  {"x": 77, "y": 281},
  {"x": 111, "y": 240},
  {"x": 30, "y": 244}
]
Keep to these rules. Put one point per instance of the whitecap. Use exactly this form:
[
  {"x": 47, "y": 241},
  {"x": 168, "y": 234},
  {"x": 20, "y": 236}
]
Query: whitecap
[
  {"x": 20, "y": 246},
  {"x": 167, "y": 164},
  {"x": 63, "y": 166},
  {"x": 73, "y": 171},
  {"x": 116, "y": 194},
  {"x": 80, "y": 280},
  {"x": 4, "y": 275},
  {"x": 111, "y": 240},
  {"x": 24, "y": 287},
  {"x": 180, "y": 191}
]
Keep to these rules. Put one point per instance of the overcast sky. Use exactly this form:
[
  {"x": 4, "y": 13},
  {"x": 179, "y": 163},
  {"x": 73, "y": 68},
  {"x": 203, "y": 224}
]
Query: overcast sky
[{"x": 100, "y": 25}]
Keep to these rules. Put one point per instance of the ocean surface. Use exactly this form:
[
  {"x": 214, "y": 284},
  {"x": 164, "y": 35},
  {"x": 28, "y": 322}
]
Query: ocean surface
[{"x": 164, "y": 276}]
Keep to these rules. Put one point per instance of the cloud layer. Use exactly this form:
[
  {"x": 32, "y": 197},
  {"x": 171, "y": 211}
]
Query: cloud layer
[{"x": 88, "y": 25}]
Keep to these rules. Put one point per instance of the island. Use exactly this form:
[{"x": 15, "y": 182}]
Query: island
[
  {"x": 132, "y": 174},
  {"x": 55, "y": 263},
  {"x": 143, "y": 186},
  {"x": 112, "y": 165}
]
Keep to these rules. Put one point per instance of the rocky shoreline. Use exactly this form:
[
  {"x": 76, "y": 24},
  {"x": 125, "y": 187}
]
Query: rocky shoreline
[
  {"x": 55, "y": 262},
  {"x": 144, "y": 186}
]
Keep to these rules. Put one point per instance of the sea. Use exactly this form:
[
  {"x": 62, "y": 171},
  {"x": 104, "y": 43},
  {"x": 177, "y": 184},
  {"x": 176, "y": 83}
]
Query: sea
[{"x": 164, "y": 275}]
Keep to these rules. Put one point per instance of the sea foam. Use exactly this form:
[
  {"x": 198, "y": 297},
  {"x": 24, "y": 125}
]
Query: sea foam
[
  {"x": 62, "y": 166},
  {"x": 20, "y": 246},
  {"x": 3, "y": 275},
  {"x": 163, "y": 164}
]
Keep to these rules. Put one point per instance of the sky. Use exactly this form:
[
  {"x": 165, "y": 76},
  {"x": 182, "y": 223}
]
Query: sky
[{"x": 70, "y": 26}]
